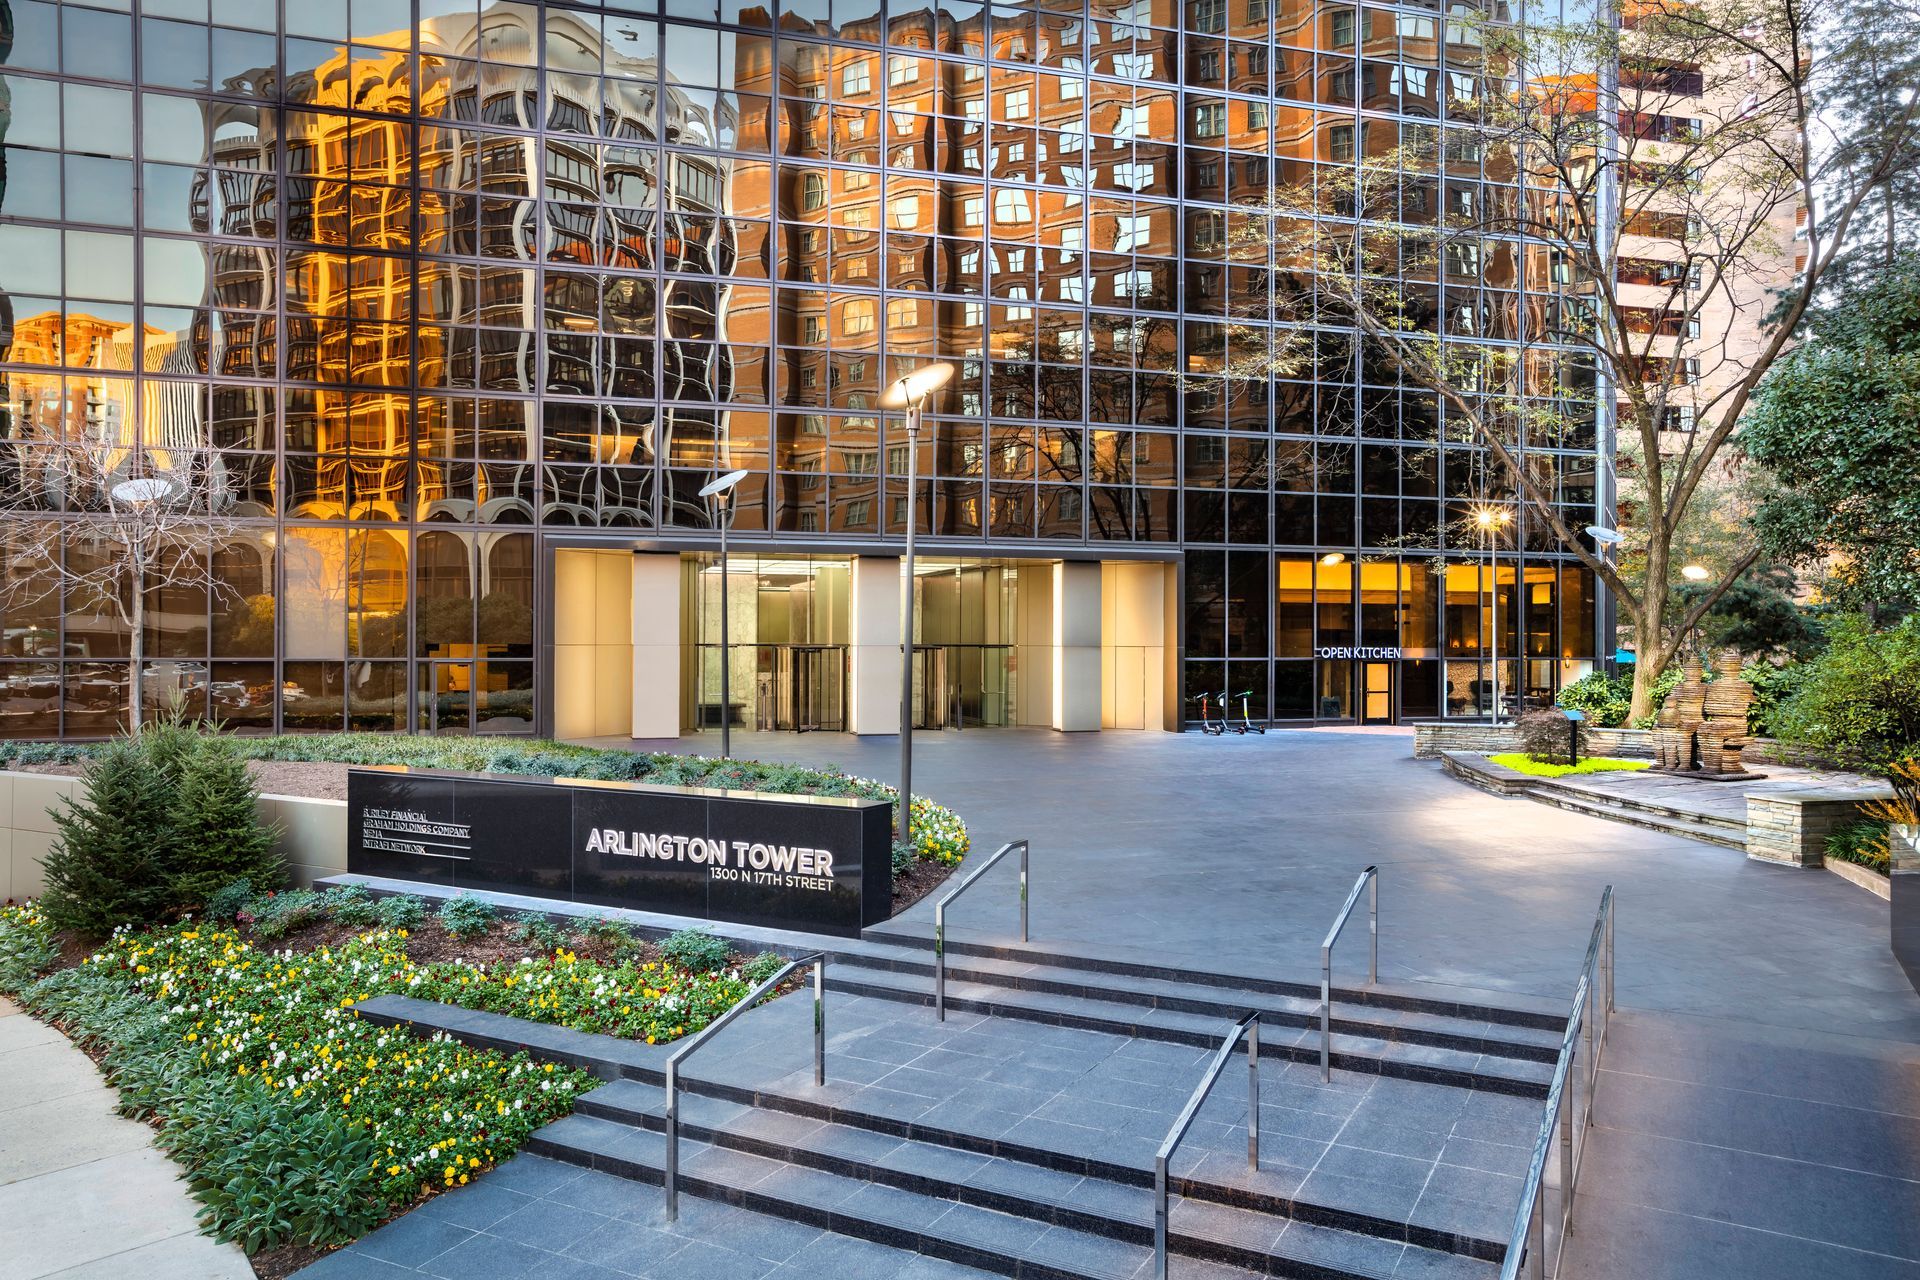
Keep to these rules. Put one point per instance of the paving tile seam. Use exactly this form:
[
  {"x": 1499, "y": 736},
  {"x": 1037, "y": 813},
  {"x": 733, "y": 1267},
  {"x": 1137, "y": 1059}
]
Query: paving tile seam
[
  {"x": 1591, "y": 1197},
  {"x": 1761, "y": 1155},
  {"x": 1756, "y": 1093}
]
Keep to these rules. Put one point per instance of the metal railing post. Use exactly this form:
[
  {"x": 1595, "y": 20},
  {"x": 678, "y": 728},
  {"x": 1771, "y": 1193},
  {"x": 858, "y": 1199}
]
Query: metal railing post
[
  {"x": 1326, "y": 1011},
  {"x": 940, "y": 960},
  {"x": 818, "y": 960},
  {"x": 1160, "y": 1218},
  {"x": 940, "y": 918},
  {"x": 1569, "y": 1118},
  {"x": 820, "y": 1021},
  {"x": 1253, "y": 1095},
  {"x": 1370, "y": 879},
  {"x": 1538, "y": 1249},
  {"x": 673, "y": 1140},
  {"x": 1025, "y": 851}
]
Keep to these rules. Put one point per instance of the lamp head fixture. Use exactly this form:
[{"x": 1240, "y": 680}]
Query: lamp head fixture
[
  {"x": 1604, "y": 536},
  {"x": 1334, "y": 557},
  {"x": 1491, "y": 517},
  {"x": 717, "y": 488},
  {"x": 913, "y": 388},
  {"x": 147, "y": 489},
  {"x": 1695, "y": 573}
]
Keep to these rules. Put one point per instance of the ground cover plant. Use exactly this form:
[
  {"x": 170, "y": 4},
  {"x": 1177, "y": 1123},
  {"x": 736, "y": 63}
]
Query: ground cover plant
[
  {"x": 1520, "y": 762},
  {"x": 301, "y": 1125}
]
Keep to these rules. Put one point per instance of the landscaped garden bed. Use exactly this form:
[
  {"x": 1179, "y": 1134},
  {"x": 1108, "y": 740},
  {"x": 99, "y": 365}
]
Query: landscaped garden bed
[
  {"x": 315, "y": 765},
  {"x": 302, "y": 1126},
  {"x": 220, "y": 1003}
]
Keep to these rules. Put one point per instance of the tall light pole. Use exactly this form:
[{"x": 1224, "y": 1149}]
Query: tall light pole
[
  {"x": 721, "y": 491},
  {"x": 910, "y": 392},
  {"x": 1491, "y": 519}
]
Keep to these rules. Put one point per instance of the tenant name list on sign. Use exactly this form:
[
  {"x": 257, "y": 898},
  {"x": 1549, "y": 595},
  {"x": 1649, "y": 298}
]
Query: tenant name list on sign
[
  {"x": 796, "y": 866},
  {"x": 411, "y": 831}
]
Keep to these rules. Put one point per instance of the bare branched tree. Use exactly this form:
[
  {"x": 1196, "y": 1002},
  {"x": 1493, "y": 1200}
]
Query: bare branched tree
[
  {"x": 1665, "y": 161},
  {"x": 97, "y": 526}
]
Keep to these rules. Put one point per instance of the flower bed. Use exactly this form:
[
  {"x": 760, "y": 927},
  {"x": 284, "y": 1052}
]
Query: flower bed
[
  {"x": 300, "y": 1124},
  {"x": 1520, "y": 762}
]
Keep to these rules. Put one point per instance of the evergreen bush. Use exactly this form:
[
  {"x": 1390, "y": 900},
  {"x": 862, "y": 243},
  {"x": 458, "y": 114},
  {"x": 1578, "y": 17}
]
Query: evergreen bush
[
  {"x": 466, "y": 916},
  {"x": 695, "y": 950},
  {"x": 229, "y": 900},
  {"x": 401, "y": 911},
  {"x": 1546, "y": 735},
  {"x": 533, "y": 929},
  {"x": 217, "y": 833},
  {"x": 110, "y": 863},
  {"x": 351, "y": 905},
  {"x": 1860, "y": 699},
  {"x": 762, "y": 967}
]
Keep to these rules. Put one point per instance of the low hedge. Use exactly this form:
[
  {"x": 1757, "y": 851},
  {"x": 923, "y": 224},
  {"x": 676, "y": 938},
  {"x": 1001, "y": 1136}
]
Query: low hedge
[{"x": 939, "y": 834}]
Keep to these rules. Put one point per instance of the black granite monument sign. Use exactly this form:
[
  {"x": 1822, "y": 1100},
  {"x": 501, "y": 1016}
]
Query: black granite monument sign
[{"x": 819, "y": 864}]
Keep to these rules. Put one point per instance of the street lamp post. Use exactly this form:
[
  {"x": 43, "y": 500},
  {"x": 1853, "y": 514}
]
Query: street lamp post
[
  {"x": 1491, "y": 519},
  {"x": 721, "y": 491},
  {"x": 910, "y": 392}
]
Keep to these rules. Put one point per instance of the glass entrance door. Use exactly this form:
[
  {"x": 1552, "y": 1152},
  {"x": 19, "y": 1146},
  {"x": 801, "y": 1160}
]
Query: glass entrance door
[
  {"x": 445, "y": 704},
  {"x": 801, "y": 687},
  {"x": 932, "y": 694},
  {"x": 1376, "y": 692},
  {"x": 818, "y": 680}
]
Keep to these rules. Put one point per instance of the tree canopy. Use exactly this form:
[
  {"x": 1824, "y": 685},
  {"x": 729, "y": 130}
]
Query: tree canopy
[{"x": 1837, "y": 425}]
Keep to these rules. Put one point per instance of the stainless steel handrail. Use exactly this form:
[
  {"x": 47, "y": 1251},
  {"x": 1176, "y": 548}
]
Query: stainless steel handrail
[
  {"x": 1249, "y": 1027},
  {"x": 819, "y": 962},
  {"x": 940, "y": 919},
  {"x": 1369, "y": 879},
  {"x": 1566, "y": 1110}
]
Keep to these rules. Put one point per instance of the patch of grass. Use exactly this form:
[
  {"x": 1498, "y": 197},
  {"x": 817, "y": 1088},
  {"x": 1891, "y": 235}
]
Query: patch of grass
[{"x": 1522, "y": 763}]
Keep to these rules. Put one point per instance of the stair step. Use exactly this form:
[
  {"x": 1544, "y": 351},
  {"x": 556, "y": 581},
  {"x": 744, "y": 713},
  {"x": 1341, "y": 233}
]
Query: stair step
[
  {"x": 1059, "y": 1187},
  {"x": 1513, "y": 1011},
  {"x": 973, "y": 1235},
  {"x": 1638, "y": 816},
  {"x": 1433, "y": 1063},
  {"x": 1277, "y": 1008},
  {"x": 1694, "y": 817}
]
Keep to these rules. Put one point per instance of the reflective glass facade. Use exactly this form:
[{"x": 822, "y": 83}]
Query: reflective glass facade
[{"x": 447, "y": 283}]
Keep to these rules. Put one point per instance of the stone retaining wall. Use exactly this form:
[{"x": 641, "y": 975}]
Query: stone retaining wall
[
  {"x": 313, "y": 833},
  {"x": 1430, "y": 740},
  {"x": 1791, "y": 828}
]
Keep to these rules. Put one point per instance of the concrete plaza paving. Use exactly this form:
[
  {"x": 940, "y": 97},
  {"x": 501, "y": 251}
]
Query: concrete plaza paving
[
  {"x": 84, "y": 1195},
  {"x": 1236, "y": 852}
]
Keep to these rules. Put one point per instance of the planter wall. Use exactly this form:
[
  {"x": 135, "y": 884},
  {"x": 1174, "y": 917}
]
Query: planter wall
[
  {"x": 1904, "y": 884},
  {"x": 1430, "y": 740},
  {"x": 313, "y": 833}
]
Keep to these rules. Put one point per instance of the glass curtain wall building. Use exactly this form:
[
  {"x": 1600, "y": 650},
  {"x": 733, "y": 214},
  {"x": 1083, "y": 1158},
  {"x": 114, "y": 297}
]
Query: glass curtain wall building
[{"x": 455, "y": 288}]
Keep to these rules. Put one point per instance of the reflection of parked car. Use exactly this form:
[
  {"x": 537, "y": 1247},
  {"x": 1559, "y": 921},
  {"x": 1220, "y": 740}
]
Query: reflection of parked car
[{"x": 291, "y": 692}]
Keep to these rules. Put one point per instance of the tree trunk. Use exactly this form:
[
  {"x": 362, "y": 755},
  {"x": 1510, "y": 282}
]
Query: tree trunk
[{"x": 1646, "y": 673}]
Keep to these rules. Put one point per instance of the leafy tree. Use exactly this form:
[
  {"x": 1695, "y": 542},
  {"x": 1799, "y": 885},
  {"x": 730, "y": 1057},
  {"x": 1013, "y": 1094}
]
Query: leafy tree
[
  {"x": 109, "y": 862},
  {"x": 218, "y": 835},
  {"x": 1861, "y": 697},
  {"x": 1835, "y": 425}
]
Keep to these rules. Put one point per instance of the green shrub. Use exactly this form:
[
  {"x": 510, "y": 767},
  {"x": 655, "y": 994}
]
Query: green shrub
[
  {"x": 695, "y": 950},
  {"x": 762, "y": 967},
  {"x": 466, "y": 916},
  {"x": 400, "y": 911},
  {"x": 228, "y": 901},
  {"x": 351, "y": 905},
  {"x": 904, "y": 856},
  {"x": 1607, "y": 699},
  {"x": 614, "y": 934},
  {"x": 217, "y": 833},
  {"x": 533, "y": 929},
  {"x": 275, "y": 915},
  {"x": 1863, "y": 841},
  {"x": 1772, "y": 688},
  {"x": 1860, "y": 698},
  {"x": 110, "y": 861}
]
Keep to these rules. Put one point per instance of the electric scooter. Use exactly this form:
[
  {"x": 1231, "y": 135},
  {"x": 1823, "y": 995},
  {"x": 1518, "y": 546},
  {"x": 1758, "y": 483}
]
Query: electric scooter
[
  {"x": 1246, "y": 720},
  {"x": 1226, "y": 714},
  {"x": 1207, "y": 725}
]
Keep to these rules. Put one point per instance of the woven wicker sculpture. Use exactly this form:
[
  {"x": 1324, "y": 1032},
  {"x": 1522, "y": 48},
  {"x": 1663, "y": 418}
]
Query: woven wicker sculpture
[
  {"x": 1702, "y": 728},
  {"x": 1679, "y": 721}
]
